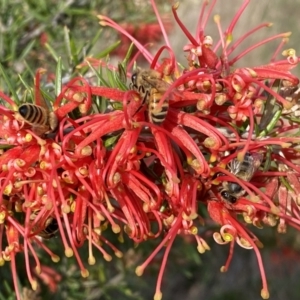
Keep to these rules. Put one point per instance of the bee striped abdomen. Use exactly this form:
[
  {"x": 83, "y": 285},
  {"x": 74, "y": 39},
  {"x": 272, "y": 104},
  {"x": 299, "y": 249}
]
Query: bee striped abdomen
[
  {"x": 33, "y": 114},
  {"x": 157, "y": 116},
  {"x": 50, "y": 229}
]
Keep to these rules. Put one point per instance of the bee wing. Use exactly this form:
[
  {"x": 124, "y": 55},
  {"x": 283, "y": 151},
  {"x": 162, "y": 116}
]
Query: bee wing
[
  {"x": 246, "y": 168},
  {"x": 235, "y": 166},
  {"x": 157, "y": 83}
]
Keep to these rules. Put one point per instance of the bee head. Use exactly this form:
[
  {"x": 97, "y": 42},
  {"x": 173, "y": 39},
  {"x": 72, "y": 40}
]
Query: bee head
[{"x": 228, "y": 197}]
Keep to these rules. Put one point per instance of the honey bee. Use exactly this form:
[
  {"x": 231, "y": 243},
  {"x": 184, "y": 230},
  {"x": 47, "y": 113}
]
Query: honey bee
[
  {"x": 51, "y": 226},
  {"x": 151, "y": 87},
  {"x": 41, "y": 119},
  {"x": 292, "y": 94},
  {"x": 244, "y": 170}
]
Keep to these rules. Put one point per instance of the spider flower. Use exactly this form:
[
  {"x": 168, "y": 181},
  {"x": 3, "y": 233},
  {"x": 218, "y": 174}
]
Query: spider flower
[{"x": 176, "y": 142}]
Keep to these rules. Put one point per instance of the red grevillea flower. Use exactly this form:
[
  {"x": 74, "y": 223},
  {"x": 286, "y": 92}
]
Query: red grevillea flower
[{"x": 226, "y": 142}]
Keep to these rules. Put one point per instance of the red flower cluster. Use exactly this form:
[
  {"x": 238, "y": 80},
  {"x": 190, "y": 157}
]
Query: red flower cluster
[{"x": 175, "y": 141}]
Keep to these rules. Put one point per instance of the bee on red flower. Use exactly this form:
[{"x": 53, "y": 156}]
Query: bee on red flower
[
  {"x": 40, "y": 118},
  {"x": 151, "y": 87},
  {"x": 244, "y": 170}
]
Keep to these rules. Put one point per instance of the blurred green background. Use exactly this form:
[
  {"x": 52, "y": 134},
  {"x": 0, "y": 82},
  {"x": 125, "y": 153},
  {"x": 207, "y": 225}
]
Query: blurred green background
[{"x": 33, "y": 34}]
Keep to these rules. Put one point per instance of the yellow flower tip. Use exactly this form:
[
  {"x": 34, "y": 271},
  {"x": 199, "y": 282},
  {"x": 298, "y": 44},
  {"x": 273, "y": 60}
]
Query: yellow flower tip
[
  {"x": 100, "y": 216},
  {"x": 116, "y": 228},
  {"x": 185, "y": 216},
  {"x": 107, "y": 257},
  {"x": 176, "y": 5},
  {"x": 157, "y": 296},
  {"x": 206, "y": 247},
  {"x": 85, "y": 273},
  {"x": 28, "y": 137},
  {"x": 193, "y": 216},
  {"x": 275, "y": 210},
  {"x": 110, "y": 208},
  {"x": 223, "y": 269},
  {"x": 86, "y": 151},
  {"x": 20, "y": 162},
  {"x": 254, "y": 198},
  {"x": 2, "y": 261},
  {"x": 118, "y": 254},
  {"x": 116, "y": 178},
  {"x": 18, "y": 185},
  {"x": 265, "y": 294},
  {"x": 69, "y": 252},
  {"x": 258, "y": 225},
  {"x": 200, "y": 249},
  {"x": 229, "y": 39},
  {"x": 288, "y": 34},
  {"x": 227, "y": 237},
  {"x": 55, "y": 258},
  {"x": 66, "y": 208},
  {"x": 139, "y": 271},
  {"x": 247, "y": 219},
  {"x": 217, "y": 18},
  {"x": 8, "y": 189},
  {"x": 252, "y": 72},
  {"x": 213, "y": 158},
  {"x": 103, "y": 23},
  {"x": 270, "y": 24},
  {"x": 38, "y": 269},
  {"x": 54, "y": 183},
  {"x": 91, "y": 260},
  {"x": 14, "y": 108},
  {"x": 97, "y": 230},
  {"x": 2, "y": 217},
  {"x": 34, "y": 284},
  {"x": 209, "y": 142},
  {"x": 289, "y": 52},
  {"x": 201, "y": 105},
  {"x": 43, "y": 165},
  {"x": 193, "y": 230}
]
